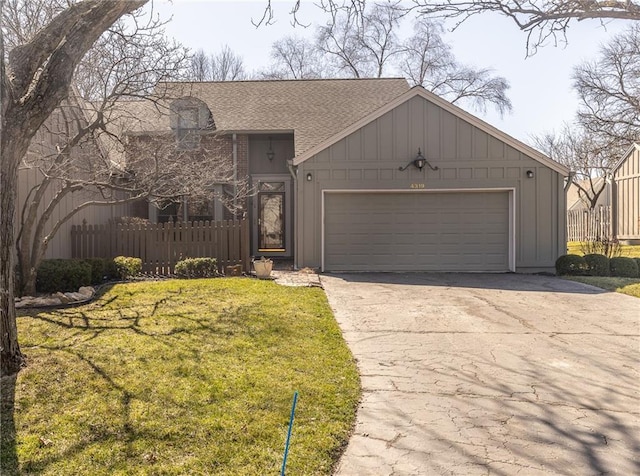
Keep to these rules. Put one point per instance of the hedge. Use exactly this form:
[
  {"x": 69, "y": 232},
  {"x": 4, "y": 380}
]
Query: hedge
[
  {"x": 623, "y": 267},
  {"x": 571, "y": 265},
  {"x": 64, "y": 275},
  {"x": 196, "y": 268}
]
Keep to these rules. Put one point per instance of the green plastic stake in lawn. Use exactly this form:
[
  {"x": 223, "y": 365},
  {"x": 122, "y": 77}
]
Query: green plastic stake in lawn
[{"x": 286, "y": 446}]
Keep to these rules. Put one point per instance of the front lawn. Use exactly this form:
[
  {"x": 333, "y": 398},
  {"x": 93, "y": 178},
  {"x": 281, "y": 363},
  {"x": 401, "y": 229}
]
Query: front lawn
[
  {"x": 630, "y": 286},
  {"x": 630, "y": 251},
  {"x": 184, "y": 377}
]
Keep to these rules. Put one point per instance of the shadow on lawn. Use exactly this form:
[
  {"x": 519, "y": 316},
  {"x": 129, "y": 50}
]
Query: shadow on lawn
[
  {"x": 8, "y": 452},
  {"x": 86, "y": 324}
]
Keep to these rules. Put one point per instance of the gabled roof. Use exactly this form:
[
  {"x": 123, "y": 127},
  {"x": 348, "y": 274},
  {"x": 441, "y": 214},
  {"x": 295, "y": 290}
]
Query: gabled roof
[
  {"x": 635, "y": 146},
  {"x": 447, "y": 106},
  {"x": 313, "y": 109}
]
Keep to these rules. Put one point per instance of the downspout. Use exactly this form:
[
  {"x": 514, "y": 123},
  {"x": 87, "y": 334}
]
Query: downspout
[
  {"x": 235, "y": 173},
  {"x": 610, "y": 180},
  {"x": 565, "y": 232},
  {"x": 293, "y": 170}
]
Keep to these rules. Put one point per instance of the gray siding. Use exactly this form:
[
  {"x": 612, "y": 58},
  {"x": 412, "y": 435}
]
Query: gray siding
[
  {"x": 60, "y": 245},
  {"x": 627, "y": 197},
  {"x": 282, "y": 146},
  {"x": 467, "y": 157}
]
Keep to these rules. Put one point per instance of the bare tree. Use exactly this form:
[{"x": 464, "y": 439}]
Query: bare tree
[
  {"x": 425, "y": 59},
  {"x": 295, "y": 57},
  {"x": 360, "y": 43},
  {"x": 34, "y": 79},
  {"x": 126, "y": 62},
  {"x": 226, "y": 65},
  {"x": 200, "y": 68},
  {"x": 540, "y": 20},
  {"x": 588, "y": 158},
  {"x": 222, "y": 66},
  {"x": 609, "y": 90}
]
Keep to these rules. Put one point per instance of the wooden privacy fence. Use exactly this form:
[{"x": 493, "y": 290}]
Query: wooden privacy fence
[
  {"x": 162, "y": 245},
  {"x": 589, "y": 225}
]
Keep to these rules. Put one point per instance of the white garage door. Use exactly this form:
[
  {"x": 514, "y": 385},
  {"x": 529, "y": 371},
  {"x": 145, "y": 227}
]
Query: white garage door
[{"x": 452, "y": 231}]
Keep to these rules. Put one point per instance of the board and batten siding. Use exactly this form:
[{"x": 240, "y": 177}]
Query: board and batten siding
[
  {"x": 60, "y": 245},
  {"x": 467, "y": 158},
  {"x": 626, "y": 201}
]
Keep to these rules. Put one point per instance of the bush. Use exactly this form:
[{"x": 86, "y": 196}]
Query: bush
[
  {"x": 62, "y": 275},
  {"x": 127, "y": 267},
  {"x": 623, "y": 267},
  {"x": 571, "y": 265},
  {"x": 197, "y": 268},
  {"x": 97, "y": 269},
  {"x": 637, "y": 260},
  {"x": 610, "y": 247},
  {"x": 110, "y": 270},
  {"x": 598, "y": 265}
]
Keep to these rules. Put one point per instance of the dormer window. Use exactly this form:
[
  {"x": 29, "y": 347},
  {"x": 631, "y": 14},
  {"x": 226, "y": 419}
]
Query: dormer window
[
  {"x": 188, "y": 130},
  {"x": 189, "y": 118}
]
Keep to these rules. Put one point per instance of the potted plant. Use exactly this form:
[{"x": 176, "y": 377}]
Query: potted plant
[{"x": 263, "y": 267}]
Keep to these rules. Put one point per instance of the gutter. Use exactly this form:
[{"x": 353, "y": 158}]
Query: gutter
[{"x": 235, "y": 172}]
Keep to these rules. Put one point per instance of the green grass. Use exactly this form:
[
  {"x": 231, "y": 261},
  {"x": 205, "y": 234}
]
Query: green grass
[
  {"x": 185, "y": 377},
  {"x": 630, "y": 286},
  {"x": 631, "y": 251}
]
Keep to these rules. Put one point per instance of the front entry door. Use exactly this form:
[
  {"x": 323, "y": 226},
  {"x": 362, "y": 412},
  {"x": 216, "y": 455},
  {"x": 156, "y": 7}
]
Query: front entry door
[
  {"x": 272, "y": 216},
  {"x": 271, "y": 219}
]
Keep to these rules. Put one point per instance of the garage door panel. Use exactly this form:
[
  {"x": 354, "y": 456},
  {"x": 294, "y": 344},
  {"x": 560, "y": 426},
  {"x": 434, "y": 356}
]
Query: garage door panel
[{"x": 417, "y": 231}]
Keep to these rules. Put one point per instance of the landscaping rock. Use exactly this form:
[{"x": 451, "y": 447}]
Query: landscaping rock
[
  {"x": 86, "y": 291},
  {"x": 75, "y": 297},
  {"x": 64, "y": 299},
  {"x": 84, "y": 294},
  {"x": 33, "y": 301}
]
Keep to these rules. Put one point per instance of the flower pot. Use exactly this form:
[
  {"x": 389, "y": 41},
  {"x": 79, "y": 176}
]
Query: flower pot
[{"x": 263, "y": 268}]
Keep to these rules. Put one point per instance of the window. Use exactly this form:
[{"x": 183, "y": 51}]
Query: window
[{"x": 188, "y": 132}]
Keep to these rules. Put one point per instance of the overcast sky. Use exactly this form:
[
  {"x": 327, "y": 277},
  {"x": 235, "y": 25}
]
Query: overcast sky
[{"x": 540, "y": 91}]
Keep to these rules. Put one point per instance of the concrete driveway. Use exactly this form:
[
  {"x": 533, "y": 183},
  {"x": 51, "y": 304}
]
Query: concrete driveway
[{"x": 490, "y": 374}]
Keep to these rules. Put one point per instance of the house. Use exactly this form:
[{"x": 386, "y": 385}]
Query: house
[
  {"x": 576, "y": 200},
  {"x": 358, "y": 175},
  {"x": 369, "y": 175},
  {"x": 626, "y": 196}
]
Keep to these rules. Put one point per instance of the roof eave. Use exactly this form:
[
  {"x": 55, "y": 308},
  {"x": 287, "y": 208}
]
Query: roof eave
[{"x": 625, "y": 156}]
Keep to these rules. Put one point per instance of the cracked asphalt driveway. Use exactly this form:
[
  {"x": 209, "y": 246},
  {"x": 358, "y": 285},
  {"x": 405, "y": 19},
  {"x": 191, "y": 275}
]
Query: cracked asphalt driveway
[{"x": 504, "y": 374}]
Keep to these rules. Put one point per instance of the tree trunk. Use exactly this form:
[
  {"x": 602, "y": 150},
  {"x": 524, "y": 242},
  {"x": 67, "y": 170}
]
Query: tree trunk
[
  {"x": 37, "y": 81},
  {"x": 10, "y": 356},
  {"x": 28, "y": 281}
]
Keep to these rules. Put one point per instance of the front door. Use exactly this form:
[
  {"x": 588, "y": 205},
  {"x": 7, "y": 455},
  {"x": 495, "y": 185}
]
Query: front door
[{"x": 271, "y": 218}]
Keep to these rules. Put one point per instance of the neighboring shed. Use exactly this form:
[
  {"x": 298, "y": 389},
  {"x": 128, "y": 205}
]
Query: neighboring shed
[
  {"x": 626, "y": 197},
  {"x": 482, "y": 202}
]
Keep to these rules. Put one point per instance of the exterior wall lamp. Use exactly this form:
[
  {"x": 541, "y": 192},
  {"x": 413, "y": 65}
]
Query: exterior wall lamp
[
  {"x": 270, "y": 153},
  {"x": 530, "y": 174},
  {"x": 419, "y": 162},
  {"x": 309, "y": 177}
]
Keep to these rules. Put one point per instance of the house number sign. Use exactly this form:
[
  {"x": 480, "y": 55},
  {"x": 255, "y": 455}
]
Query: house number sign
[{"x": 416, "y": 186}]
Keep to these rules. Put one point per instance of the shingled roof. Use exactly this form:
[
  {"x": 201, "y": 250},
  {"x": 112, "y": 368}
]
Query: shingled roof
[{"x": 312, "y": 109}]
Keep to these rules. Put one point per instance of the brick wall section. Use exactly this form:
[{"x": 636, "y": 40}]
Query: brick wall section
[{"x": 211, "y": 145}]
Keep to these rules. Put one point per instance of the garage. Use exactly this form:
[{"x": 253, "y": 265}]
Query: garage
[
  {"x": 417, "y": 231},
  {"x": 421, "y": 185}
]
